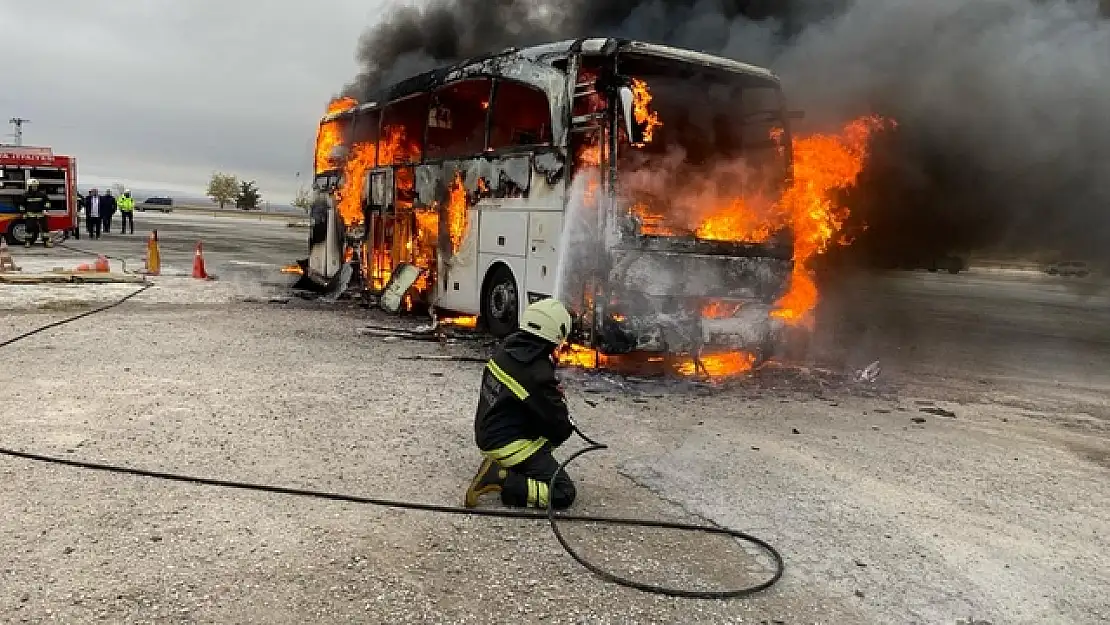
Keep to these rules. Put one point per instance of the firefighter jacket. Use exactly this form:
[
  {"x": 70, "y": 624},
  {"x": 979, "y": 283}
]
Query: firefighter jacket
[
  {"x": 126, "y": 204},
  {"x": 34, "y": 203},
  {"x": 521, "y": 406}
]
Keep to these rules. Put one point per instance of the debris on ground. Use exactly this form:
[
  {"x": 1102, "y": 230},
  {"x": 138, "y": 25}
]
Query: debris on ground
[
  {"x": 870, "y": 373},
  {"x": 71, "y": 277},
  {"x": 940, "y": 412},
  {"x": 445, "y": 358}
]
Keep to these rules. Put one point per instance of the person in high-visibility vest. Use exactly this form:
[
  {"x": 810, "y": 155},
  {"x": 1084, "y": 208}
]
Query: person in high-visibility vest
[{"x": 126, "y": 205}]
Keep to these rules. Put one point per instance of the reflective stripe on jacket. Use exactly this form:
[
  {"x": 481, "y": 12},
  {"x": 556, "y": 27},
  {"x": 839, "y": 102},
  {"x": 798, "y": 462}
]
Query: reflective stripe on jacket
[
  {"x": 34, "y": 203},
  {"x": 520, "y": 406}
]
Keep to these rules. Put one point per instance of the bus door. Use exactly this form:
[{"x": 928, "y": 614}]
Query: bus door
[
  {"x": 591, "y": 141},
  {"x": 380, "y": 214}
]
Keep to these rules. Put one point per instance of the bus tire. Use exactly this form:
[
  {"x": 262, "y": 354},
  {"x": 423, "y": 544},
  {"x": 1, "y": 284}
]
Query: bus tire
[
  {"x": 18, "y": 233},
  {"x": 500, "y": 301}
]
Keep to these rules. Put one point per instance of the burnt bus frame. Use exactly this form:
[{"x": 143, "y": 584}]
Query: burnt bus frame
[
  {"x": 569, "y": 62},
  {"x": 611, "y": 79}
]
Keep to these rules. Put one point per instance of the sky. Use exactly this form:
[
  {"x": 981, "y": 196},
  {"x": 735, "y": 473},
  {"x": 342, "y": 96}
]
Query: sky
[{"x": 158, "y": 94}]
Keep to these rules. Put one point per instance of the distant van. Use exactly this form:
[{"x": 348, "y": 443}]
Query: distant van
[{"x": 163, "y": 204}]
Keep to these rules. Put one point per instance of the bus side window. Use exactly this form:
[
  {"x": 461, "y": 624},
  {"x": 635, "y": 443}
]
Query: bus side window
[
  {"x": 457, "y": 119},
  {"x": 520, "y": 116},
  {"x": 402, "y": 139}
]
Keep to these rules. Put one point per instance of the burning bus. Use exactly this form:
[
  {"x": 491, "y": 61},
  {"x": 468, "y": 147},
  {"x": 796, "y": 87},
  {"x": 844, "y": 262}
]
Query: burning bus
[{"x": 640, "y": 184}]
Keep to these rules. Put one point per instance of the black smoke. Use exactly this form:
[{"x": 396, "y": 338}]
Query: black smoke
[{"x": 1002, "y": 143}]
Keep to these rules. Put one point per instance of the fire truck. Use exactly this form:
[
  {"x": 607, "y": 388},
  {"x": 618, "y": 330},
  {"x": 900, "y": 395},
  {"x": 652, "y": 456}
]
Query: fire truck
[{"x": 57, "y": 176}]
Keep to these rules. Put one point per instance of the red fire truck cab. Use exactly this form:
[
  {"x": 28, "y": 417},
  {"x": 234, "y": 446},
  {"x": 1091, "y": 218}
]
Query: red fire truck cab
[{"x": 57, "y": 176}]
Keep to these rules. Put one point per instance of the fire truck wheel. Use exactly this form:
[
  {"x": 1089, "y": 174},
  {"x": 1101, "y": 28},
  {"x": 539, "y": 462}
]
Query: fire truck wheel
[
  {"x": 18, "y": 234},
  {"x": 499, "y": 302}
]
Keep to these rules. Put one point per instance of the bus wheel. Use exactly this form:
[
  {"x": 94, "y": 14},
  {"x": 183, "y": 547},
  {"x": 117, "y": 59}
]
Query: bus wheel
[
  {"x": 18, "y": 234},
  {"x": 499, "y": 302}
]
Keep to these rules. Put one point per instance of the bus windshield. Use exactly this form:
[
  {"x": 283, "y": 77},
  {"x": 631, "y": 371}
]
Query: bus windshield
[{"x": 714, "y": 157}]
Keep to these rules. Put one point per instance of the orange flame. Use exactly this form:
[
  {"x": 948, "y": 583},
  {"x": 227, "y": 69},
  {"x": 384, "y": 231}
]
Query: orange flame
[
  {"x": 468, "y": 321},
  {"x": 294, "y": 269},
  {"x": 395, "y": 148},
  {"x": 338, "y": 105},
  {"x": 823, "y": 164},
  {"x": 349, "y": 195},
  {"x": 330, "y": 134},
  {"x": 456, "y": 212},
  {"x": 735, "y": 222},
  {"x": 582, "y": 357},
  {"x": 719, "y": 309},
  {"x": 362, "y": 158},
  {"x": 722, "y": 365},
  {"x": 427, "y": 232},
  {"x": 641, "y": 111},
  {"x": 590, "y": 155}
]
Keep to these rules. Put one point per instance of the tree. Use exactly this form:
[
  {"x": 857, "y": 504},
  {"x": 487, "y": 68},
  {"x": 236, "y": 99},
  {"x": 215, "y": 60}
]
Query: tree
[
  {"x": 249, "y": 197},
  {"x": 223, "y": 188},
  {"x": 303, "y": 200}
]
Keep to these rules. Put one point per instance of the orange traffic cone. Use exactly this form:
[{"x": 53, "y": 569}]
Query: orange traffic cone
[
  {"x": 198, "y": 264},
  {"x": 153, "y": 255}
]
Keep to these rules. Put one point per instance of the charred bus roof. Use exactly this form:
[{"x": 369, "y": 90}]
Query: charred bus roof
[{"x": 499, "y": 64}]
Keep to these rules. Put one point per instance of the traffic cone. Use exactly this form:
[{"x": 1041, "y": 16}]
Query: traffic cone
[
  {"x": 198, "y": 264},
  {"x": 153, "y": 255},
  {"x": 7, "y": 263}
]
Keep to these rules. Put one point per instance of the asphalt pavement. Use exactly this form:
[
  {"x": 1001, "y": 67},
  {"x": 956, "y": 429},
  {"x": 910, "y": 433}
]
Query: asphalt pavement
[
  {"x": 1022, "y": 328},
  {"x": 966, "y": 483},
  {"x": 1026, "y": 327},
  {"x": 234, "y": 245}
]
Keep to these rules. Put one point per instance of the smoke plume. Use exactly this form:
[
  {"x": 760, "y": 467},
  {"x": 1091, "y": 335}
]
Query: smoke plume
[{"x": 1002, "y": 137}]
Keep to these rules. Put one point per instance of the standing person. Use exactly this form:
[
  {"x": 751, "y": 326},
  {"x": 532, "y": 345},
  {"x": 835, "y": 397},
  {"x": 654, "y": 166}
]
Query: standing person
[
  {"x": 79, "y": 206},
  {"x": 522, "y": 415},
  {"x": 126, "y": 212},
  {"x": 34, "y": 205},
  {"x": 88, "y": 216},
  {"x": 92, "y": 213},
  {"x": 108, "y": 210}
]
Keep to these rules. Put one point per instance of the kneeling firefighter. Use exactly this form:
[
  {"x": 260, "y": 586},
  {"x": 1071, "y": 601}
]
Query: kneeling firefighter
[{"x": 522, "y": 415}]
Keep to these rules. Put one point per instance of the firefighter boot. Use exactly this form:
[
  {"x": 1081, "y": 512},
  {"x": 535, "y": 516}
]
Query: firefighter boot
[{"x": 490, "y": 478}]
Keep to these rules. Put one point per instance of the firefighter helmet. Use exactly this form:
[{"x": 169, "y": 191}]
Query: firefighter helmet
[{"x": 547, "y": 319}]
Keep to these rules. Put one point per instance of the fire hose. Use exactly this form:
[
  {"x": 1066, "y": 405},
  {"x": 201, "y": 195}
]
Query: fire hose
[{"x": 550, "y": 515}]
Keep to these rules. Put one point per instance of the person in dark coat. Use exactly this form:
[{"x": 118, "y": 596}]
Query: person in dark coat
[
  {"x": 107, "y": 210},
  {"x": 79, "y": 202},
  {"x": 93, "y": 208}
]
